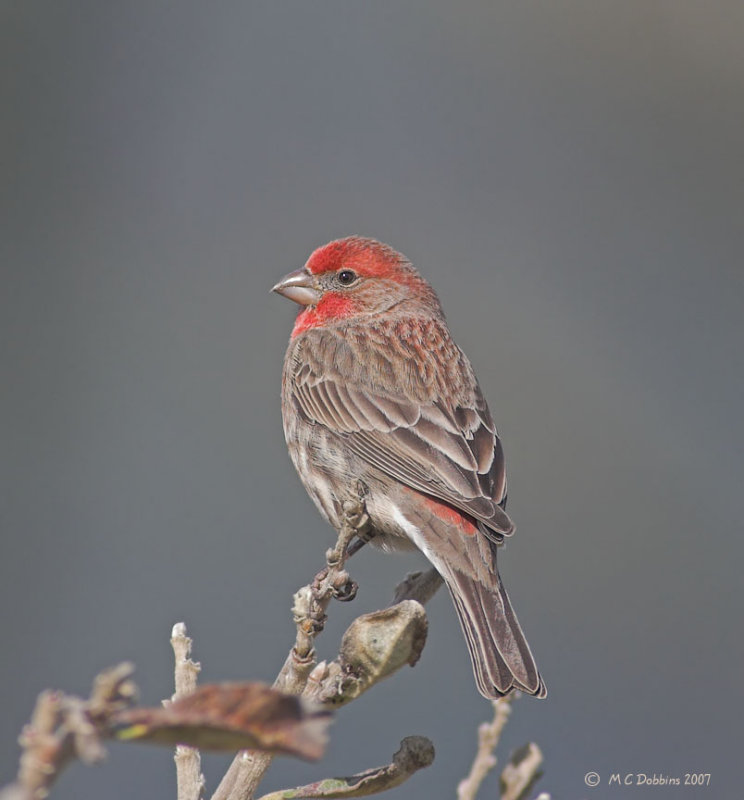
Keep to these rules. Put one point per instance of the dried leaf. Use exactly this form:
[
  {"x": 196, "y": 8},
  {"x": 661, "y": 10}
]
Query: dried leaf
[
  {"x": 231, "y": 716},
  {"x": 380, "y": 643},
  {"x": 415, "y": 753}
]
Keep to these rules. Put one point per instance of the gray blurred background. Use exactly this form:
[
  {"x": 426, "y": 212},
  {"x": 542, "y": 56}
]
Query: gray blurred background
[{"x": 568, "y": 175}]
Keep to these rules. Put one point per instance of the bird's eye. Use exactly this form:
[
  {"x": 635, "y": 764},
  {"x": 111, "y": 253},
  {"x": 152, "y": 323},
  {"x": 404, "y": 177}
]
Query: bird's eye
[{"x": 346, "y": 277}]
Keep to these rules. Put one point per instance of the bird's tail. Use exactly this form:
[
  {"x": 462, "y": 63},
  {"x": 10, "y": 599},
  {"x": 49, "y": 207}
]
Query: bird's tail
[{"x": 502, "y": 661}]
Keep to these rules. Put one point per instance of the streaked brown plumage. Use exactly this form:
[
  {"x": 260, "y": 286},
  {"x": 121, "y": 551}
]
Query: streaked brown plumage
[{"x": 374, "y": 388}]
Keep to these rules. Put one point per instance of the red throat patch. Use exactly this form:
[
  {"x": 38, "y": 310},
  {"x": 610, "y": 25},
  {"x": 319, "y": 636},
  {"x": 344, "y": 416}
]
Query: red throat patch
[{"x": 331, "y": 306}]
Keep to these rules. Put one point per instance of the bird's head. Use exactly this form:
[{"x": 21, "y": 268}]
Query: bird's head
[{"x": 353, "y": 278}]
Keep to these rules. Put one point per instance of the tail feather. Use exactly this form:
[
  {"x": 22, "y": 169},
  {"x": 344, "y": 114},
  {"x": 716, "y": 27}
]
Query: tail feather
[
  {"x": 501, "y": 657},
  {"x": 466, "y": 559}
]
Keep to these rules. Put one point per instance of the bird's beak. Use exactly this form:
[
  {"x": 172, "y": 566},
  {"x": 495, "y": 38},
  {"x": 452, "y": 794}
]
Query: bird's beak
[{"x": 298, "y": 286}]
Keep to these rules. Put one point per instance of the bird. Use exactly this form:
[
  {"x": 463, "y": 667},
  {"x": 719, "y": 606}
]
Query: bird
[{"x": 374, "y": 389}]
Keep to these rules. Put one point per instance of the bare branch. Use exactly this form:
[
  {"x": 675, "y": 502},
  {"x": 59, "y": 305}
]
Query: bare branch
[
  {"x": 225, "y": 716},
  {"x": 374, "y": 646},
  {"x": 520, "y": 774},
  {"x": 332, "y": 683},
  {"x": 186, "y": 670},
  {"x": 189, "y": 778},
  {"x": 415, "y": 753},
  {"x": 489, "y": 734},
  {"x": 421, "y": 586},
  {"x": 64, "y": 728},
  {"x": 310, "y": 604}
]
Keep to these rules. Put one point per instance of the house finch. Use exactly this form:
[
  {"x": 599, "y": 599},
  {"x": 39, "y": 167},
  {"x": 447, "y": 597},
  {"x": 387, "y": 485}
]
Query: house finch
[{"x": 375, "y": 390}]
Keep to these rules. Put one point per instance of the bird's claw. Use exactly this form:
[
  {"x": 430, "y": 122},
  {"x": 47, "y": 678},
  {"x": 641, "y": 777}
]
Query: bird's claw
[{"x": 346, "y": 592}]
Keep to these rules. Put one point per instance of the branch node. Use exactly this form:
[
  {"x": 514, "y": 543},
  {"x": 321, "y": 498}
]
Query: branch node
[{"x": 489, "y": 734}]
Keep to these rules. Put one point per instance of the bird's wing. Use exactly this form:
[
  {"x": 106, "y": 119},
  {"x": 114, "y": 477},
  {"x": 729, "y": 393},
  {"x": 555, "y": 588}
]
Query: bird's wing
[{"x": 451, "y": 453}]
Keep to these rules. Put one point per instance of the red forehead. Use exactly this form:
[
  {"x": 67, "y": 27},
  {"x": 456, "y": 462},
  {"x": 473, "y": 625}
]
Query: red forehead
[{"x": 368, "y": 257}]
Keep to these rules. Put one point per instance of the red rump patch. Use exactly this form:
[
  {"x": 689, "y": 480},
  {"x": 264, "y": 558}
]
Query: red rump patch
[
  {"x": 452, "y": 516},
  {"x": 367, "y": 257},
  {"x": 332, "y": 305}
]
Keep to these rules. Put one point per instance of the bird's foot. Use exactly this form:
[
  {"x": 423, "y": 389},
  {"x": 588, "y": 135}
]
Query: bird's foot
[{"x": 356, "y": 518}]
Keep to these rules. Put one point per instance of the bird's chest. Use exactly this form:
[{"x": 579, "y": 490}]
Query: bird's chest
[{"x": 327, "y": 469}]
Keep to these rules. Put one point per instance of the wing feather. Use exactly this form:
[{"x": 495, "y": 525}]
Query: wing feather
[
  {"x": 420, "y": 445},
  {"x": 448, "y": 449}
]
